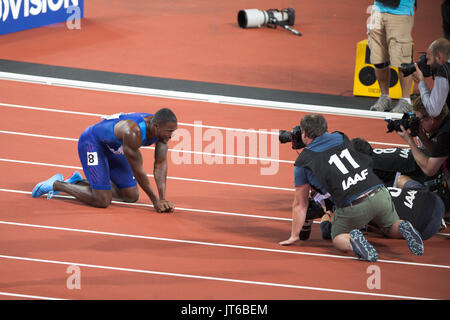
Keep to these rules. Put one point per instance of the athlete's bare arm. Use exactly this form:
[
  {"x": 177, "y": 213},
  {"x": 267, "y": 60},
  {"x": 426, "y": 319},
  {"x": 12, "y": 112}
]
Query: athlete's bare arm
[
  {"x": 160, "y": 173},
  {"x": 130, "y": 134}
]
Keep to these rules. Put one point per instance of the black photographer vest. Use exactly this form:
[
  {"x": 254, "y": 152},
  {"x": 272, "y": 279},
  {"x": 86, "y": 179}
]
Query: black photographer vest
[
  {"x": 388, "y": 161},
  {"x": 415, "y": 206},
  {"x": 341, "y": 170},
  {"x": 444, "y": 71}
]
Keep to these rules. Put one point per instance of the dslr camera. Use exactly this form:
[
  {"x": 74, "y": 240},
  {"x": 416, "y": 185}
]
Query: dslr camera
[
  {"x": 294, "y": 136},
  {"x": 408, "y": 121},
  {"x": 409, "y": 68},
  {"x": 437, "y": 185}
]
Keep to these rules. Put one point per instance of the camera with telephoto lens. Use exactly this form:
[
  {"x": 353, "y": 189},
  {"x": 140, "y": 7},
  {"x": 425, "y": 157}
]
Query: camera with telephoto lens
[
  {"x": 409, "y": 68},
  {"x": 294, "y": 136},
  {"x": 408, "y": 121},
  {"x": 254, "y": 18}
]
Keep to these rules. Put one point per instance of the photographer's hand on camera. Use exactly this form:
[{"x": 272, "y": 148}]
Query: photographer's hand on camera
[
  {"x": 404, "y": 134},
  {"x": 418, "y": 75}
]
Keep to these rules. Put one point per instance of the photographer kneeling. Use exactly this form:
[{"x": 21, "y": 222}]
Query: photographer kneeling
[
  {"x": 414, "y": 203},
  {"x": 390, "y": 163},
  {"x": 330, "y": 161},
  {"x": 438, "y": 65},
  {"x": 434, "y": 136}
]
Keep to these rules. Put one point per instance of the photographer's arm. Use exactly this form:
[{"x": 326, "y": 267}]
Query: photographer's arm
[
  {"x": 299, "y": 208},
  {"x": 426, "y": 142},
  {"x": 429, "y": 165},
  {"x": 433, "y": 100}
]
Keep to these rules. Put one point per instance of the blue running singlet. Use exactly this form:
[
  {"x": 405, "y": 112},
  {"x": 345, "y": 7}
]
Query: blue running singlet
[{"x": 101, "y": 152}]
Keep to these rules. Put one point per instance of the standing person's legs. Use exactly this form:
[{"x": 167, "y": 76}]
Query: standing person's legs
[
  {"x": 379, "y": 57},
  {"x": 400, "y": 44}
]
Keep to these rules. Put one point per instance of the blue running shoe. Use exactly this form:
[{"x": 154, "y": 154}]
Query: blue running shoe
[
  {"x": 76, "y": 177},
  {"x": 361, "y": 247},
  {"x": 46, "y": 187},
  {"x": 415, "y": 243}
]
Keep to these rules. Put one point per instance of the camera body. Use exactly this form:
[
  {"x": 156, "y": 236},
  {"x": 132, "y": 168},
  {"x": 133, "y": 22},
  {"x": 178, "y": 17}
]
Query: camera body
[
  {"x": 409, "y": 68},
  {"x": 294, "y": 136},
  {"x": 408, "y": 121},
  {"x": 438, "y": 185}
]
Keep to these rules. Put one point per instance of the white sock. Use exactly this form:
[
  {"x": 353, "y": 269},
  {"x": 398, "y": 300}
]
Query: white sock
[
  {"x": 385, "y": 95},
  {"x": 407, "y": 99}
]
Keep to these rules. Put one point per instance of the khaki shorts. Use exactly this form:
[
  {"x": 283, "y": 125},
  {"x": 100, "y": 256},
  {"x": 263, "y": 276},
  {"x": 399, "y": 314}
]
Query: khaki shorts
[
  {"x": 378, "y": 208},
  {"x": 389, "y": 38}
]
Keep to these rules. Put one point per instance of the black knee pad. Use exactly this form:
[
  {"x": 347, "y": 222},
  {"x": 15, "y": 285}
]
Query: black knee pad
[{"x": 382, "y": 65}]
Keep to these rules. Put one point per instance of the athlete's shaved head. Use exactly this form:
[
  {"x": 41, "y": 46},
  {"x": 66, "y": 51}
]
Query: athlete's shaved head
[{"x": 163, "y": 116}]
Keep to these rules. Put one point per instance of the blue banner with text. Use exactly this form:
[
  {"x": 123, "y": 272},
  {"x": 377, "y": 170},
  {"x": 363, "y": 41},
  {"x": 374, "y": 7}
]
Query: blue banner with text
[{"x": 18, "y": 15}]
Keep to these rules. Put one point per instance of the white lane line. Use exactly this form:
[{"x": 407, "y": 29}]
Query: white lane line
[
  {"x": 114, "y": 234},
  {"x": 10, "y": 294},
  {"x": 185, "y": 209},
  {"x": 27, "y": 296},
  {"x": 219, "y": 155},
  {"x": 191, "y": 276},
  {"x": 180, "y": 123},
  {"x": 150, "y": 175},
  {"x": 179, "y": 95},
  {"x": 176, "y": 208}
]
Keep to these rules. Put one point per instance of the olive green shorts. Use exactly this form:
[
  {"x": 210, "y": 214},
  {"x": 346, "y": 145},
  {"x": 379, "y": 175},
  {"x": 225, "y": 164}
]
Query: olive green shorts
[{"x": 379, "y": 208}]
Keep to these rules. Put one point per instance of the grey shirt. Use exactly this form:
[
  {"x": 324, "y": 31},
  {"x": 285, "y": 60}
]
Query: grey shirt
[{"x": 434, "y": 100}]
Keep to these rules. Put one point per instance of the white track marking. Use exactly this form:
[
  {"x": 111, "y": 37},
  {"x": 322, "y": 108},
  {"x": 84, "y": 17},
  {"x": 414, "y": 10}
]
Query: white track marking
[
  {"x": 18, "y": 295},
  {"x": 150, "y": 175},
  {"x": 174, "y": 178},
  {"x": 180, "y": 123},
  {"x": 152, "y": 148},
  {"x": 212, "y": 244},
  {"x": 219, "y": 99},
  {"x": 191, "y": 276},
  {"x": 177, "y": 208}
]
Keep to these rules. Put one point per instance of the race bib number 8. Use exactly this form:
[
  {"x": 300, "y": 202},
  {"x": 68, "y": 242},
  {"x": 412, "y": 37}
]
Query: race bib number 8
[{"x": 92, "y": 159}]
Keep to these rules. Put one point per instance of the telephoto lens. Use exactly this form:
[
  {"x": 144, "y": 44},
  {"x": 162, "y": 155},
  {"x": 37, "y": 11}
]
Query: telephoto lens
[{"x": 254, "y": 18}]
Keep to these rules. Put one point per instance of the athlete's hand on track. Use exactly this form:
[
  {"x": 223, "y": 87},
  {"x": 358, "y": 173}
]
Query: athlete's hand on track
[{"x": 164, "y": 206}]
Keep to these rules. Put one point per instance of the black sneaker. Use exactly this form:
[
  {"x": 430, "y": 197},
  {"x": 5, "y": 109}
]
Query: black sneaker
[{"x": 361, "y": 247}]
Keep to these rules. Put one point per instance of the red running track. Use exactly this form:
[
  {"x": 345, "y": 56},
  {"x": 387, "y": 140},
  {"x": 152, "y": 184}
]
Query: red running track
[{"x": 228, "y": 250}]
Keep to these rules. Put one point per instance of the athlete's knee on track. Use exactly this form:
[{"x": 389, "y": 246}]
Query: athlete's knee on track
[
  {"x": 102, "y": 199},
  {"x": 131, "y": 199},
  {"x": 130, "y": 195}
]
